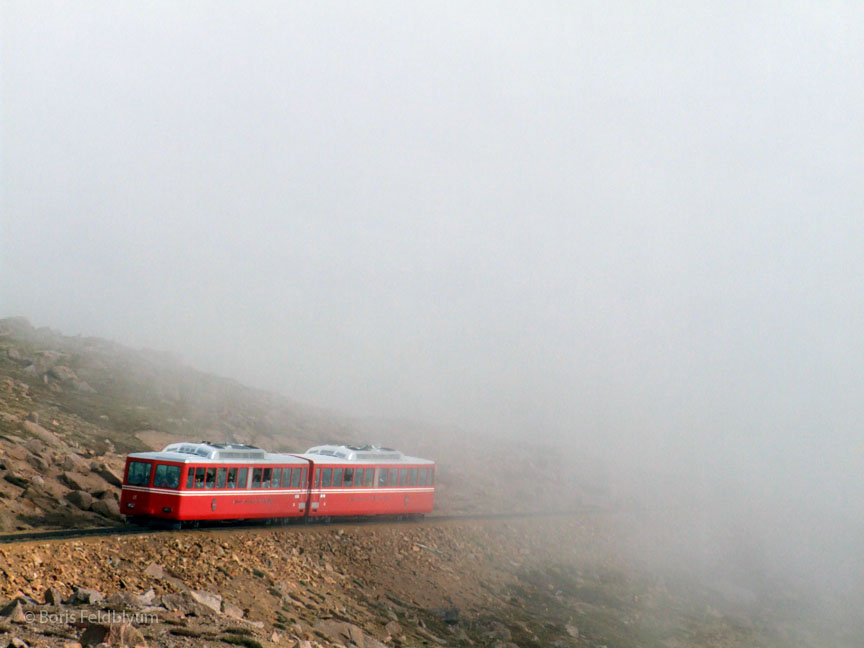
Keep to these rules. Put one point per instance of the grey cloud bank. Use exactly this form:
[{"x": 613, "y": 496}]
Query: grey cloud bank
[{"x": 635, "y": 229}]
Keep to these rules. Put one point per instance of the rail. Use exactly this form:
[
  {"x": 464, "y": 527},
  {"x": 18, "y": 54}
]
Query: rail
[{"x": 127, "y": 529}]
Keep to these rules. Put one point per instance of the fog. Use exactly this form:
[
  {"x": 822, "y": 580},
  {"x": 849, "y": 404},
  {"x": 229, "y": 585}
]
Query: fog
[{"x": 633, "y": 228}]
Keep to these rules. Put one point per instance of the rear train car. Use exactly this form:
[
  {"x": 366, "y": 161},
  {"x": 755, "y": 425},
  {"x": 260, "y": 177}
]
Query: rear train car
[
  {"x": 368, "y": 480},
  {"x": 192, "y": 482}
]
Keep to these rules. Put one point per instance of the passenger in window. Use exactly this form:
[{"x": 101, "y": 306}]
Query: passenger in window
[
  {"x": 232, "y": 478},
  {"x": 211, "y": 478},
  {"x": 220, "y": 478},
  {"x": 172, "y": 477},
  {"x": 199, "y": 477}
]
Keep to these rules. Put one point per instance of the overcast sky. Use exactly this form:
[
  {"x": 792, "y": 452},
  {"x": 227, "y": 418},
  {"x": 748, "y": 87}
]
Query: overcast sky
[{"x": 628, "y": 222}]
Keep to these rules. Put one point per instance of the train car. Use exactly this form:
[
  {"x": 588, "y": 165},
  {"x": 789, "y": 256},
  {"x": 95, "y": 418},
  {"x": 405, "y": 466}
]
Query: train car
[
  {"x": 191, "y": 482},
  {"x": 368, "y": 480}
]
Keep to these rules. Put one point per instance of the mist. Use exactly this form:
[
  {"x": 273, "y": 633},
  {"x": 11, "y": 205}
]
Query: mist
[{"x": 632, "y": 230}]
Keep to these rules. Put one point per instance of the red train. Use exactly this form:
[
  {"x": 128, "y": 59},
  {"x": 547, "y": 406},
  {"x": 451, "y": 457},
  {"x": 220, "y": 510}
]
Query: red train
[{"x": 187, "y": 483}]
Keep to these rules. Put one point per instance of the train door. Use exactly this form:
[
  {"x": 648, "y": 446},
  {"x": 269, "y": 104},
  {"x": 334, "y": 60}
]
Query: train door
[{"x": 314, "y": 489}]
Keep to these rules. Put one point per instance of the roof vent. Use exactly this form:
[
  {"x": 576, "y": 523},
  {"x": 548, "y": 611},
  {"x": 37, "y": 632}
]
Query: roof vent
[
  {"x": 218, "y": 450},
  {"x": 357, "y": 452}
]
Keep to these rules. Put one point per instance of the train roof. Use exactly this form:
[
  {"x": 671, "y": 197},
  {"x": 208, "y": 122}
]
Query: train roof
[
  {"x": 347, "y": 454},
  {"x": 207, "y": 452}
]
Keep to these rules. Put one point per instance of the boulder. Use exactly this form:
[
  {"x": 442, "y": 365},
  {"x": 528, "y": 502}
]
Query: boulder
[
  {"x": 75, "y": 481},
  {"x": 38, "y": 432},
  {"x": 13, "y": 613},
  {"x": 449, "y": 615},
  {"x": 341, "y": 632},
  {"x": 81, "y": 499},
  {"x": 16, "y": 480},
  {"x": 15, "y": 355},
  {"x": 74, "y": 463},
  {"x": 85, "y": 596},
  {"x": 155, "y": 570},
  {"x": 211, "y": 600},
  {"x": 393, "y": 628},
  {"x": 108, "y": 508},
  {"x": 107, "y": 473},
  {"x": 53, "y": 596},
  {"x": 185, "y": 604},
  {"x": 62, "y": 373},
  {"x": 83, "y": 386},
  {"x": 121, "y": 635},
  {"x": 232, "y": 610}
]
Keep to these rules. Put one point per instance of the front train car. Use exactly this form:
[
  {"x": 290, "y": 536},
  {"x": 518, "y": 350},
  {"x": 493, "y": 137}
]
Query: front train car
[{"x": 191, "y": 482}]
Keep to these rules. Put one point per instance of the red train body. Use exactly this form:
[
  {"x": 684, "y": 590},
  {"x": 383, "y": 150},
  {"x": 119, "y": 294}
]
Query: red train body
[{"x": 194, "y": 482}]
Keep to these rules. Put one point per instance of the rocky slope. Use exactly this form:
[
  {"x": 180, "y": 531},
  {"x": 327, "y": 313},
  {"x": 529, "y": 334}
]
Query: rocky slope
[
  {"x": 71, "y": 407},
  {"x": 538, "y": 583}
]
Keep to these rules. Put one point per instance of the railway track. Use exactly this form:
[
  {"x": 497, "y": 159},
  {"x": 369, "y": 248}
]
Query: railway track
[{"x": 127, "y": 529}]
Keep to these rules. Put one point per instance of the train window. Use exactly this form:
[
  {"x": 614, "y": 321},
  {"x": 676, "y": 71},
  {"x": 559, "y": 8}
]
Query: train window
[
  {"x": 256, "y": 478},
  {"x": 394, "y": 477},
  {"x": 232, "y": 478},
  {"x": 286, "y": 477},
  {"x": 358, "y": 477},
  {"x": 139, "y": 473},
  {"x": 166, "y": 476},
  {"x": 382, "y": 477},
  {"x": 431, "y": 476},
  {"x": 221, "y": 474},
  {"x": 295, "y": 480},
  {"x": 302, "y": 477},
  {"x": 349, "y": 476},
  {"x": 326, "y": 477},
  {"x": 268, "y": 476},
  {"x": 412, "y": 477},
  {"x": 211, "y": 478},
  {"x": 190, "y": 477},
  {"x": 337, "y": 477},
  {"x": 369, "y": 478},
  {"x": 243, "y": 478},
  {"x": 277, "y": 478},
  {"x": 199, "y": 477},
  {"x": 403, "y": 476},
  {"x": 421, "y": 481},
  {"x": 317, "y": 478}
]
